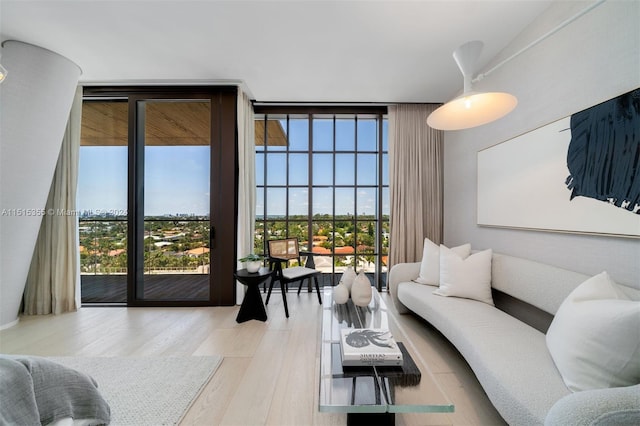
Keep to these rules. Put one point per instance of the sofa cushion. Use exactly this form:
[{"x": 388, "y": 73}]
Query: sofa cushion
[
  {"x": 595, "y": 318},
  {"x": 509, "y": 358},
  {"x": 469, "y": 278},
  {"x": 430, "y": 265},
  {"x": 599, "y": 407},
  {"x": 541, "y": 285}
]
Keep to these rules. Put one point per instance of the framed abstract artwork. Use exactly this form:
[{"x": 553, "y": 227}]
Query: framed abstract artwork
[{"x": 579, "y": 174}]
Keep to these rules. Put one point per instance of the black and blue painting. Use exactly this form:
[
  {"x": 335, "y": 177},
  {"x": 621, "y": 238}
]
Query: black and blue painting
[{"x": 604, "y": 152}]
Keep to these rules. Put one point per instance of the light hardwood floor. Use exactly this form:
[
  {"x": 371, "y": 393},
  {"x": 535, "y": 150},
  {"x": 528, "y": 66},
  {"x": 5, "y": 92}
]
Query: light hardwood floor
[{"x": 269, "y": 375}]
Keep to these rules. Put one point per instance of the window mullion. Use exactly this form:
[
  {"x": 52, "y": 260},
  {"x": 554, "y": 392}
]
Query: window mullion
[
  {"x": 378, "y": 241},
  {"x": 286, "y": 181},
  {"x": 264, "y": 185},
  {"x": 333, "y": 219},
  {"x": 310, "y": 184},
  {"x": 355, "y": 195}
]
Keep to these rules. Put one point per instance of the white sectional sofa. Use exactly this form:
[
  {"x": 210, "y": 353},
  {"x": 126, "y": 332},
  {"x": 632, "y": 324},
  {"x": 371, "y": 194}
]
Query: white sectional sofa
[{"x": 509, "y": 357}]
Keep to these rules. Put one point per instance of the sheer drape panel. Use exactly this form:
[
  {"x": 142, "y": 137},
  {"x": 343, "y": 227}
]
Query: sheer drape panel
[
  {"x": 54, "y": 272},
  {"x": 415, "y": 182},
  {"x": 246, "y": 181}
]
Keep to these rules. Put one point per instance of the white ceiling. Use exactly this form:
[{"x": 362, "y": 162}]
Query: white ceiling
[{"x": 298, "y": 51}]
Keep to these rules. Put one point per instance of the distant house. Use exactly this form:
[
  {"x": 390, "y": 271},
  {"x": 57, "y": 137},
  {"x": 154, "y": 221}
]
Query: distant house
[
  {"x": 172, "y": 236},
  {"x": 345, "y": 250},
  {"x": 197, "y": 251},
  {"x": 320, "y": 250},
  {"x": 116, "y": 252},
  {"x": 339, "y": 250}
]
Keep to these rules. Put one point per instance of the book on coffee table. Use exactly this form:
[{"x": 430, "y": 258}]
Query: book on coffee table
[{"x": 369, "y": 346}]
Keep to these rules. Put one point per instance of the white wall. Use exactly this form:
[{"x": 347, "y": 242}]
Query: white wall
[
  {"x": 595, "y": 58},
  {"x": 35, "y": 101}
]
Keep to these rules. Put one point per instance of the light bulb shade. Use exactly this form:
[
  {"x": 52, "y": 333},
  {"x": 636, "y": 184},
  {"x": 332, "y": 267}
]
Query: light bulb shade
[
  {"x": 3, "y": 73},
  {"x": 472, "y": 109}
]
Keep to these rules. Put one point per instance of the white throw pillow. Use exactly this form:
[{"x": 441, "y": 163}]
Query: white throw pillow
[
  {"x": 430, "y": 266},
  {"x": 594, "y": 338},
  {"x": 469, "y": 278}
]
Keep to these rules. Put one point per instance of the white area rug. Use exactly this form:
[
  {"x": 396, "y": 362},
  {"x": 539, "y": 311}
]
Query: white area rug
[{"x": 147, "y": 391}]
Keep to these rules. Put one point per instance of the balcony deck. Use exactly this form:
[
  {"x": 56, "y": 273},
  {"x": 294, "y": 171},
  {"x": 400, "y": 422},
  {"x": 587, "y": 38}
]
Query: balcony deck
[{"x": 112, "y": 288}]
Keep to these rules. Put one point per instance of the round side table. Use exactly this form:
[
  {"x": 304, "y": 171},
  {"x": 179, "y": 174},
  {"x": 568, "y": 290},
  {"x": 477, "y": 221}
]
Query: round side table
[{"x": 252, "y": 306}]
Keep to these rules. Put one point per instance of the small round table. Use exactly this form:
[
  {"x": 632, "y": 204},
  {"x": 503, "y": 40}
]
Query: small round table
[{"x": 252, "y": 306}]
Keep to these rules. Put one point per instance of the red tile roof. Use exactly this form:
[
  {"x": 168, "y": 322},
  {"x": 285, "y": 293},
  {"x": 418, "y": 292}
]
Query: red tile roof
[
  {"x": 345, "y": 250},
  {"x": 320, "y": 250}
]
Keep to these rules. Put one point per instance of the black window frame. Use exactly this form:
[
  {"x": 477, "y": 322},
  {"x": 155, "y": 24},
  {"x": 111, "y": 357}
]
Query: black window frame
[{"x": 379, "y": 113}]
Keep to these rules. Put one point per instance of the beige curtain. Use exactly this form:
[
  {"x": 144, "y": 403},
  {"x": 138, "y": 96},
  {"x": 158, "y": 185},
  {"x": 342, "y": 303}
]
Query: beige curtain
[
  {"x": 415, "y": 182},
  {"x": 246, "y": 182},
  {"x": 53, "y": 277}
]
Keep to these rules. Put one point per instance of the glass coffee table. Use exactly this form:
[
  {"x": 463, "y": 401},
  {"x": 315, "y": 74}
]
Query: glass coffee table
[{"x": 371, "y": 395}]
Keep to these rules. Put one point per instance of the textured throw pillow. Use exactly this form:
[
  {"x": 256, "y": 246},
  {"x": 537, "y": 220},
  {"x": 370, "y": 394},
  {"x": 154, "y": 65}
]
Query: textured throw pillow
[
  {"x": 430, "y": 266},
  {"x": 469, "y": 278},
  {"x": 594, "y": 338}
]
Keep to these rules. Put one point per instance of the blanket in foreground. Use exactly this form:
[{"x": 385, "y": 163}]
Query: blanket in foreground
[
  {"x": 35, "y": 390},
  {"x": 138, "y": 391}
]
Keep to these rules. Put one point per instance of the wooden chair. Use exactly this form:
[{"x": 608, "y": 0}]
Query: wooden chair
[{"x": 282, "y": 252}]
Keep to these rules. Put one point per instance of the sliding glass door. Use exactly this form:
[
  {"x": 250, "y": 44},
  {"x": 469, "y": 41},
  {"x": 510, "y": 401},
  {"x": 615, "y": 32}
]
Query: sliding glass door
[
  {"x": 158, "y": 195},
  {"x": 175, "y": 139}
]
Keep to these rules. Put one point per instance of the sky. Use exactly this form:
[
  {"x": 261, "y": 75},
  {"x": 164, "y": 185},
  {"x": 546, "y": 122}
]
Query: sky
[
  {"x": 177, "y": 177},
  {"x": 102, "y": 178}
]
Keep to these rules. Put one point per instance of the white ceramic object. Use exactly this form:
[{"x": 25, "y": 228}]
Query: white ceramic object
[
  {"x": 361, "y": 290},
  {"x": 253, "y": 266},
  {"x": 348, "y": 276},
  {"x": 340, "y": 294}
]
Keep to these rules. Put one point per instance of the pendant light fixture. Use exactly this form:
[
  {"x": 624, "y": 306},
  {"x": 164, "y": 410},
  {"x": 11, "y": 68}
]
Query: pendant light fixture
[{"x": 471, "y": 109}]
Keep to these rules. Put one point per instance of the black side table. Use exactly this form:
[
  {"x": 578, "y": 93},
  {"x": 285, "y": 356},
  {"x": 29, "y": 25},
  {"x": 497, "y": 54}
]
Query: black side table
[{"x": 252, "y": 306}]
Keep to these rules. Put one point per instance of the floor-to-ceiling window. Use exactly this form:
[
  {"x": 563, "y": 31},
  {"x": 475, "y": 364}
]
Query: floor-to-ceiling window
[
  {"x": 323, "y": 178},
  {"x": 156, "y": 181},
  {"x": 175, "y": 137}
]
